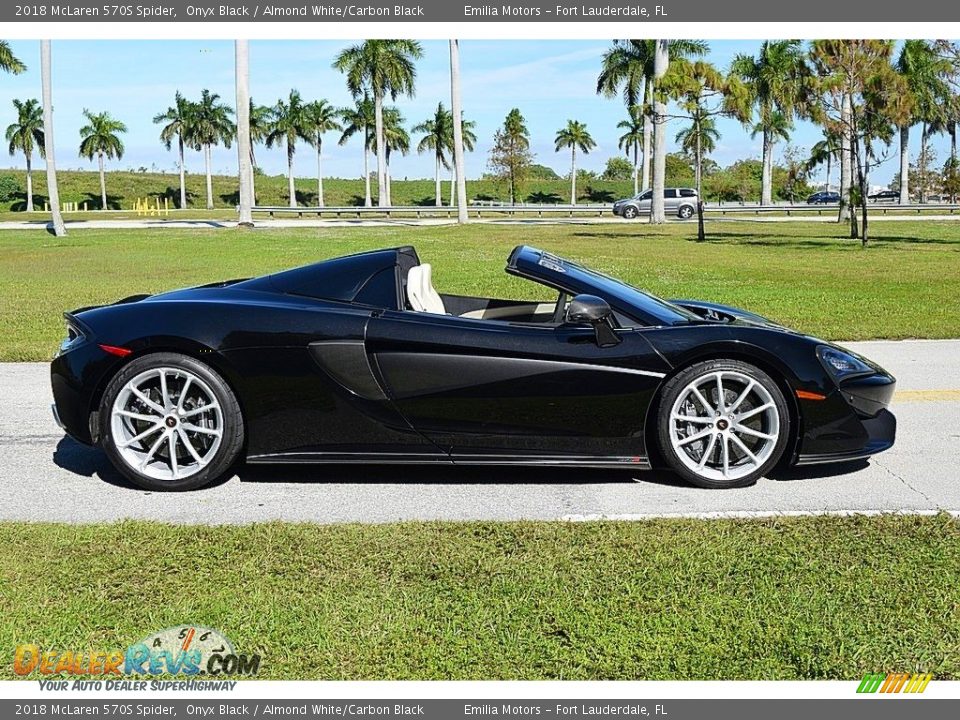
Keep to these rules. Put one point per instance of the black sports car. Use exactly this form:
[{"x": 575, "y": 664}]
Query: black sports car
[{"x": 360, "y": 360}]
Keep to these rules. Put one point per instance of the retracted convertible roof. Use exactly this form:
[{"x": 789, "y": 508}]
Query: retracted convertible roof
[{"x": 370, "y": 278}]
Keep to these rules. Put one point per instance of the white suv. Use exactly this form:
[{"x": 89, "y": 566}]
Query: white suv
[{"x": 681, "y": 201}]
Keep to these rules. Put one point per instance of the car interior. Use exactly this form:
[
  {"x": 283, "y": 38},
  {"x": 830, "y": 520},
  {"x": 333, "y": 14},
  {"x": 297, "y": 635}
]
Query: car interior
[{"x": 422, "y": 296}]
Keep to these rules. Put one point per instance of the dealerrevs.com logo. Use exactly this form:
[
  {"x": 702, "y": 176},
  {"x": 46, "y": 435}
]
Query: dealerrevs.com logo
[{"x": 182, "y": 650}]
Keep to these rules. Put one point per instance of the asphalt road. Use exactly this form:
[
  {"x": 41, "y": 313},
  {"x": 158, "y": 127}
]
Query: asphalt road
[{"x": 47, "y": 477}]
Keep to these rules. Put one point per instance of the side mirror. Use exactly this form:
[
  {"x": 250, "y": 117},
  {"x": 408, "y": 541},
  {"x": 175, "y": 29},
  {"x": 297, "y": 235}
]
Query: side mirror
[{"x": 595, "y": 311}]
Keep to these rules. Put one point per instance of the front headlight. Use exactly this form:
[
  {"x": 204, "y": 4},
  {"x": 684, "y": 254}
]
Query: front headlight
[{"x": 841, "y": 364}]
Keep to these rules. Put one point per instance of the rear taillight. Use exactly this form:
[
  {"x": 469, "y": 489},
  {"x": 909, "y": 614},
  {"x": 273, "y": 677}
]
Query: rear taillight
[{"x": 74, "y": 337}]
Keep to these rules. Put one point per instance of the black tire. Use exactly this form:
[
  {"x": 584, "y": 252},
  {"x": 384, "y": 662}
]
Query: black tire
[
  {"x": 630, "y": 212},
  {"x": 679, "y": 385},
  {"x": 232, "y": 430},
  {"x": 685, "y": 212}
]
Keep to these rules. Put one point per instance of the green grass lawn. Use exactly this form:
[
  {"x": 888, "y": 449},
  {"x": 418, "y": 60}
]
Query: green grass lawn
[
  {"x": 772, "y": 599},
  {"x": 904, "y": 285}
]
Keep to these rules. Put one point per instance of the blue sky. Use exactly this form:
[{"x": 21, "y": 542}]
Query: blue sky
[{"x": 549, "y": 80}]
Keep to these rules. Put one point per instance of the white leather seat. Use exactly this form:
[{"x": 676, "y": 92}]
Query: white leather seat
[{"x": 420, "y": 291}]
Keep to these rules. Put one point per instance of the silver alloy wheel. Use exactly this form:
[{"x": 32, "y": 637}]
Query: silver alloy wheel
[
  {"x": 166, "y": 423},
  {"x": 724, "y": 425}
]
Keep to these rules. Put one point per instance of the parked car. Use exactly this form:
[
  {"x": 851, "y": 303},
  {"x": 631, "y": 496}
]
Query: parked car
[
  {"x": 885, "y": 196},
  {"x": 359, "y": 359},
  {"x": 681, "y": 202},
  {"x": 824, "y": 197}
]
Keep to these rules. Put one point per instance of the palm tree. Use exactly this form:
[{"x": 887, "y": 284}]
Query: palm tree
[
  {"x": 25, "y": 135},
  {"x": 573, "y": 136},
  {"x": 177, "y": 119},
  {"x": 469, "y": 141},
  {"x": 8, "y": 61},
  {"x": 211, "y": 125},
  {"x": 438, "y": 138},
  {"x": 397, "y": 139},
  {"x": 699, "y": 140},
  {"x": 632, "y": 139},
  {"x": 53, "y": 191},
  {"x": 323, "y": 118},
  {"x": 260, "y": 118},
  {"x": 825, "y": 152},
  {"x": 924, "y": 70},
  {"x": 628, "y": 67},
  {"x": 291, "y": 122},
  {"x": 661, "y": 64},
  {"x": 101, "y": 137},
  {"x": 380, "y": 68},
  {"x": 458, "y": 139},
  {"x": 244, "y": 144},
  {"x": 773, "y": 79},
  {"x": 359, "y": 120}
]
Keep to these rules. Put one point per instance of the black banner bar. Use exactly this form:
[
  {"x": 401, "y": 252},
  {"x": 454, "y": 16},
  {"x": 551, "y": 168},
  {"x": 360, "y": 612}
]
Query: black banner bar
[
  {"x": 618, "y": 11},
  {"x": 867, "y": 708}
]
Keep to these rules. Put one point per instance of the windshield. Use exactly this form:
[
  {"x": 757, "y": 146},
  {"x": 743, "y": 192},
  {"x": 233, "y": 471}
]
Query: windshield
[{"x": 663, "y": 311}]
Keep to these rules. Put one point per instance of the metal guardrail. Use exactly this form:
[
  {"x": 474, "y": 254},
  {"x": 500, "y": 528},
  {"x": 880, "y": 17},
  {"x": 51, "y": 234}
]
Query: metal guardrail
[{"x": 478, "y": 210}]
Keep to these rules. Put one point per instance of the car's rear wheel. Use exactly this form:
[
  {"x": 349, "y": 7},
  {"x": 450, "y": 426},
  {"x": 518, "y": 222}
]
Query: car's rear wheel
[
  {"x": 722, "y": 424},
  {"x": 685, "y": 212},
  {"x": 169, "y": 422},
  {"x": 629, "y": 212}
]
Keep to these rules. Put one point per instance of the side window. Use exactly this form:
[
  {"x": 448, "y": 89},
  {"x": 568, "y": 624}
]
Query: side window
[
  {"x": 669, "y": 193},
  {"x": 687, "y": 192},
  {"x": 646, "y": 195}
]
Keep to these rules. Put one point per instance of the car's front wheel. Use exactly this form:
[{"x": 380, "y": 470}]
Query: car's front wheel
[
  {"x": 685, "y": 212},
  {"x": 722, "y": 423},
  {"x": 629, "y": 212},
  {"x": 169, "y": 422}
]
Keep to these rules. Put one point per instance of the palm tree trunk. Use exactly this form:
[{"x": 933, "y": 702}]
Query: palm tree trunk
[
  {"x": 103, "y": 182},
  {"x": 953, "y": 159},
  {"x": 573, "y": 174},
  {"x": 29, "y": 182},
  {"x": 829, "y": 170},
  {"x": 244, "y": 146},
  {"x": 647, "y": 140},
  {"x": 319, "y": 172},
  {"x": 661, "y": 64},
  {"x": 183, "y": 179},
  {"x": 455, "y": 108},
  {"x": 904, "y": 164},
  {"x": 381, "y": 151},
  {"x": 766, "y": 180},
  {"x": 207, "y": 152},
  {"x": 636, "y": 168},
  {"x": 846, "y": 171},
  {"x": 923, "y": 163},
  {"x": 436, "y": 181},
  {"x": 367, "y": 201},
  {"x": 291, "y": 190},
  {"x": 698, "y": 171},
  {"x": 386, "y": 179},
  {"x": 53, "y": 190},
  {"x": 453, "y": 186}
]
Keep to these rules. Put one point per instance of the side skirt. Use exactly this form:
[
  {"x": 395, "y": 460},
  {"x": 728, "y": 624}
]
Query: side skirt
[{"x": 635, "y": 462}]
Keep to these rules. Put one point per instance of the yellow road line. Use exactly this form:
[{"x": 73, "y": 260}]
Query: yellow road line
[{"x": 926, "y": 395}]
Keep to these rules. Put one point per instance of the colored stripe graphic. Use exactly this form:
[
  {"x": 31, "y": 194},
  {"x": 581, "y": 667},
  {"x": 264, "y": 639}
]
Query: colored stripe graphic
[{"x": 894, "y": 683}]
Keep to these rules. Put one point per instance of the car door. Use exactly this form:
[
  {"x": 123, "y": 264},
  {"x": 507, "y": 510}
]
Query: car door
[
  {"x": 671, "y": 202},
  {"x": 643, "y": 202},
  {"x": 482, "y": 389}
]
